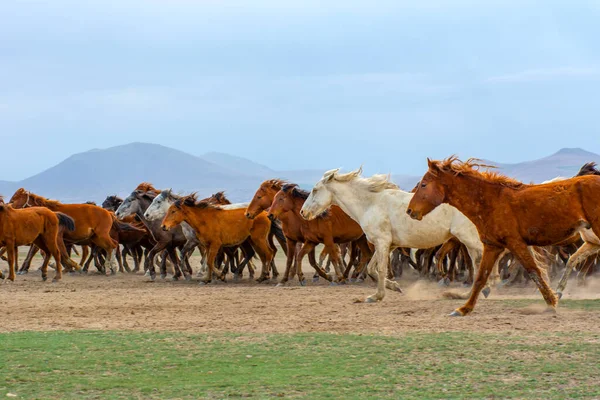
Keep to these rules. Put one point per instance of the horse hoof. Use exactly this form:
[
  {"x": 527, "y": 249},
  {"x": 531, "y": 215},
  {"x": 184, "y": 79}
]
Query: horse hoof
[
  {"x": 397, "y": 289},
  {"x": 73, "y": 273},
  {"x": 204, "y": 283},
  {"x": 359, "y": 280},
  {"x": 486, "y": 292},
  {"x": 55, "y": 280},
  {"x": 550, "y": 310},
  {"x": 370, "y": 300},
  {"x": 302, "y": 282},
  {"x": 188, "y": 277},
  {"x": 163, "y": 276},
  {"x": 280, "y": 285},
  {"x": 559, "y": 295},
  {"x": 332, "y": 283},
  {"x": 455, "y": 314},
  {"x": 315, "y": 279},
  {"x": 44, "y": 278},
  {"x": 444, "y": 282}
]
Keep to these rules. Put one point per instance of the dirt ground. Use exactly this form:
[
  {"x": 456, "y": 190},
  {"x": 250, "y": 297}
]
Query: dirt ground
[{"x": 132, "y": 302}]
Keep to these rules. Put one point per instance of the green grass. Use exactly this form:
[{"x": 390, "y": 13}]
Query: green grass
[{"x": 176, "y": 365}]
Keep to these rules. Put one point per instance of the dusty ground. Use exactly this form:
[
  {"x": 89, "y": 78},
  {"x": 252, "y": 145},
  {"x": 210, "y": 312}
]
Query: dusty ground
[{"x": 132, "y": 302}]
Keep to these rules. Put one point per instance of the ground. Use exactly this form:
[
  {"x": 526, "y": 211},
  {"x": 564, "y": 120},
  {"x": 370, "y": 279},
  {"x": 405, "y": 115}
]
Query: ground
[{"x": 325, "y": 344}]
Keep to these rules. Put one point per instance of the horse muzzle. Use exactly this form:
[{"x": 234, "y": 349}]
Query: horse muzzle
[
  {"x": 164, "y": 228},
  {"x": 414, "y": 214}
]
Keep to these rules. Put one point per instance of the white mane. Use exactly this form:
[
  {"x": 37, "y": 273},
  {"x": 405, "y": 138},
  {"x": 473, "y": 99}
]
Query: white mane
[{"x": 375, "y": 183}]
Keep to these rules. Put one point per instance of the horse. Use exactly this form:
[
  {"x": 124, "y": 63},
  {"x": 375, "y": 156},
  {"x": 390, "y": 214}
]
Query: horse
[
  {"x": 330, "y": 228},
  {"x": 512, "y": 215},
  {"x": 583, "y": 256},
  {"x": 261, "y": 201},
  {"x": 92, "y": 224},
  {"x": 222, "y": 226},
  {"x": 136, "y": 204},
  {"x": 34, "y": 225},
  {"x": 158, "y": 209},
  {"x": 379, "y": 206}
]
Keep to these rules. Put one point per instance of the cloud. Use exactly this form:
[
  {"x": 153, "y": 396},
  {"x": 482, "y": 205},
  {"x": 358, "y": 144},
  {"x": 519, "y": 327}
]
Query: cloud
[{"x": 546, "y": 74}]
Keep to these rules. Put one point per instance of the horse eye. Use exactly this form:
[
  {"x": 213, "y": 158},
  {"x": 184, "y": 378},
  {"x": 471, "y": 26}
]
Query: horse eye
[{"x": 423, "y": 184}]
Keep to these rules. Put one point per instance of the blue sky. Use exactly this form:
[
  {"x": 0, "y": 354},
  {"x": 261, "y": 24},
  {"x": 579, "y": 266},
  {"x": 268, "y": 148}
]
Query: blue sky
[{"x": 296, "y": 84}]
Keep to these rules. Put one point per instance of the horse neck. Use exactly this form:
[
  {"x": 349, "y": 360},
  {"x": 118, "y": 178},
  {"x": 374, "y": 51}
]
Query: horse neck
[
  {"x": 471, "y": 196},
  {"x": 196, "y": 217},
  {"x": 352, "y": 200}
]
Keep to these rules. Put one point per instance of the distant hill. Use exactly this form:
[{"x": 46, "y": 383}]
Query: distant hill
[
  {"x": 566, "y": 163},
  {"x": 94, "y": 174}
]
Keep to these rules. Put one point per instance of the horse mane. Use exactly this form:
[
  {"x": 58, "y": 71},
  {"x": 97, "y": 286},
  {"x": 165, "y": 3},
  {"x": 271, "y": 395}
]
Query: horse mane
[
  {"x": 114, "y": 197},
  {"x": 276, "y": 184},
  {"x": 147, "y": 187},
  {"x": 40, "y": 201},
  {"x": 191, "y": 200},
  {"x": 471, "y": 168},
  {"x": 295, "y": 191},
  {"x": 219, "y": 198},
  {"x": 588, "y": 169},
  {"x": 376, "y": 183}
]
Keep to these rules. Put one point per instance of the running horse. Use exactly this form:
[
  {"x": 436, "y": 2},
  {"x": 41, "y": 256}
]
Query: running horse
[
  {"x": 222, "y": 226},
  {"x": 379, "y": 206},
  {"x": 34, "y": 225},
  {"x": 92, "y": 224},
  {"x": 511, "y": 215}
]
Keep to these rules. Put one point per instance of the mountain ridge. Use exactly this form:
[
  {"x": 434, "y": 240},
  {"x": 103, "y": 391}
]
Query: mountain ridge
[{"x": 94, "y": 174}]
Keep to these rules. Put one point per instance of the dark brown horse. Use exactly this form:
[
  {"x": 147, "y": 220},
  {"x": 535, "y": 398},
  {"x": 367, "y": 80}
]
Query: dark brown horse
[
  {"x": 331, "y": 228},
  {"x": 92, "y": 223},
  {"x": 510, "y": 215},
  {"x": 35, "y": 225}
]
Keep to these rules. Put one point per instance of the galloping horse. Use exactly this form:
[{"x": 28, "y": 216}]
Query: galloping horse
[
  {"x": 379, "y": 207},
  {"x": 262, "y": 200},
  {"x": 34, "y": 225},
  {"x": 509, "y": 214},
  {"x": 220, "y": 226},
  {"x": 331, "y": 227},
  {"x": 92, "y": 223}
]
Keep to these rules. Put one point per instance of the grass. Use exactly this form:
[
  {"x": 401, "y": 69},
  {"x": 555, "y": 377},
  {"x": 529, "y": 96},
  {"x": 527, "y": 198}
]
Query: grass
[{"x": 175, "y": 365}]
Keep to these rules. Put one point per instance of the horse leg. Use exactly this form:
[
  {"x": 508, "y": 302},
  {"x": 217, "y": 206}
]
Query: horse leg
[
  {"x": 525, "y": 256},
  {"x": 85, "y": 251},
  {"x": 377, "y": 268},
  {"x": 586, "y": 250},
  {"x": 213, "y": 250},
  {"x": 307, "y": 248},
  {"x": 261, "y": 245},
  {"x": 488, "y": 260},
  {"x": 33, "y": 249},
  {"x": 290, "y": 255},
  {"x": 10, "y": 255}
]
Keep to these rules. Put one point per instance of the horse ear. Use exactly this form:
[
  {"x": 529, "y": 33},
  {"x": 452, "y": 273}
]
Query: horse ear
[
  {"x": 432, "y": 165},
  {"x": 328, "y": 176},
  {"x": 2, "y": 206}
]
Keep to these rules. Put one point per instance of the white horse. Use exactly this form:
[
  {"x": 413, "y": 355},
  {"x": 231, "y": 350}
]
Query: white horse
[{"x": 379, "y": 207}]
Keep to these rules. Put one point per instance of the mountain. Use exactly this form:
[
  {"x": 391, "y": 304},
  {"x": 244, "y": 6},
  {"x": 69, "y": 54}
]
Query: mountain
[
  {"x": 94, "y": 174},
  {"x": 566, "y": 163}
]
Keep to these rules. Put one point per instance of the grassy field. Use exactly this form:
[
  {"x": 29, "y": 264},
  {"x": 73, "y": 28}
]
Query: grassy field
[{"x": 102, "y": 364}]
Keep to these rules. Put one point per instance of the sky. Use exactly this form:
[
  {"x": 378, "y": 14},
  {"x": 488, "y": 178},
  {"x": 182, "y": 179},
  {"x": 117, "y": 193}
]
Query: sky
[{"x": 299, "y": 84}]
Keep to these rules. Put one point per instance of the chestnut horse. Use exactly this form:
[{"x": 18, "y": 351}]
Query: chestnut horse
[
  {"x": 511, "y": 215},
  {"x": 92, "y": 223},
  {"x": 220, "y": 226},
  {"x": 330, "y": 228},
  {"x": 262, "y": 200},
  {"x": 35, "y": 225}
]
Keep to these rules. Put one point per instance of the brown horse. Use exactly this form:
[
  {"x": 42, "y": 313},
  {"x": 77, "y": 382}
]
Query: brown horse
[
  {"x": 510, "y": 215},
  {"x": 35, "y": 225},
  {"x": 331, "y": 228},
  {"x": 92, "y": 223},
  {"x": 220, "y": 226}
]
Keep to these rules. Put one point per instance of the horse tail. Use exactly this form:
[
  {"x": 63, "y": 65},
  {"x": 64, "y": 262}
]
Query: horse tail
[
  {"x": 65, "y": 221},
  {"x": 278, "y": 233}
]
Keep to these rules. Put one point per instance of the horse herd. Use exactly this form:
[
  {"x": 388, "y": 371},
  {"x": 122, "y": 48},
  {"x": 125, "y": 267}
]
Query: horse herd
[{"x": 461, "y": 221}]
